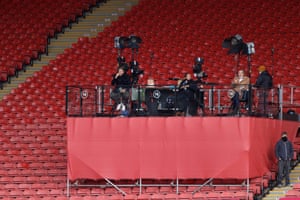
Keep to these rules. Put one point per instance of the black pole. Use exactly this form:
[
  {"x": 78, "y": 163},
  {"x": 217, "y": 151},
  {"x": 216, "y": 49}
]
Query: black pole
[
  {"x": 151, "y": 59},
  {"x": 80, "y": 102},
  {"x": 250, "y": 86},
  {"x": 67, "y": 99},
  {"x": 102, "y": 98},
  {"x": 273, "y": 60},
  {"x": 139, "y": 99}
]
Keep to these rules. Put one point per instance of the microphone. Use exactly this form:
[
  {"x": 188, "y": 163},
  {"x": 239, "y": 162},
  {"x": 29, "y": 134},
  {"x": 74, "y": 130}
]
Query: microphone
[
  {"x": 174, "y": 79},
  {"x": 273, "y": 50}
]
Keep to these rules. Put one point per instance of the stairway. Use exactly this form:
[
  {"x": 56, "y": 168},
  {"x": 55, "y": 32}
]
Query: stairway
[
  {"x": 277, "y": 192},
  {"x": 89, "y": 26}
]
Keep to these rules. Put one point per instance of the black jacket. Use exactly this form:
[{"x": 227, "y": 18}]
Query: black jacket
[
  {"x": 190, "y": 90},
  {"x": 122, "y": 81},
  {"x": 284, "y": 150},
  {"x": 264, "y": 80}
]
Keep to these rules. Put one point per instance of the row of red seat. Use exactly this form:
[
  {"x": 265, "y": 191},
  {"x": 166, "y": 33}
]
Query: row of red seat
[{"x": 25, "y": 36}]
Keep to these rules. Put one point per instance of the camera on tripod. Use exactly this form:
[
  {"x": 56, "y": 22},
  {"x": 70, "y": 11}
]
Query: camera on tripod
[
  {"x": 197, "y": 68},
  {"x": 135, "y": 71}
]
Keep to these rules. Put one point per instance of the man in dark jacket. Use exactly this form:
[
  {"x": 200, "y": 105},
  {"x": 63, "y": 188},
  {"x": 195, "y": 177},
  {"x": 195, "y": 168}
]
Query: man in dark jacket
[
  {"x": 186, "y": 96},
  {"x": 263, "y": 84},
  {"x": 284, "y": 154}
]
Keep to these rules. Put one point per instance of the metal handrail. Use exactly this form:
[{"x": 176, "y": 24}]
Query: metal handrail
[{"x": 216, "y": 100}]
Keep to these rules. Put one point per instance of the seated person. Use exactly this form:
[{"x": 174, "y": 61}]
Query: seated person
[
  {"x": 186, "y": 95},
  {"x": 122, "y": 83},
  {"x": 240, "y": 86},
  {"x": 150, "y": 83}
]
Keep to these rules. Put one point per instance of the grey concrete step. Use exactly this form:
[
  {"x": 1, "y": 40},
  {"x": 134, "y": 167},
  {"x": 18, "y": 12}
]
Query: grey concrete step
[{"x": 277, "y": 192}]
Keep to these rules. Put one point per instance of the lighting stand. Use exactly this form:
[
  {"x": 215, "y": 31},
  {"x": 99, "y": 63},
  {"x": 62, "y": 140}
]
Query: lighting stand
[
  {"x": 250, "y": 86},
  {"x": 237, "y": 60},
  {"x": 273, "y": 60},
  {"x": 134, "y": 53}
]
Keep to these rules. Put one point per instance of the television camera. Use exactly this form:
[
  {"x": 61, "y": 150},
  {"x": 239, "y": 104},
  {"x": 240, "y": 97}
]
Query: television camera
[
  {"x": 122, "y": 63},
  {"x": 135, "y": 71},
  {"x": 197, "y": 69}
]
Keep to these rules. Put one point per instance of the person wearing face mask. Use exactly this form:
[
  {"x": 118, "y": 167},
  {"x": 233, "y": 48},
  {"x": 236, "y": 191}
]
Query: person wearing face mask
[{"x": 284, "y": 154}]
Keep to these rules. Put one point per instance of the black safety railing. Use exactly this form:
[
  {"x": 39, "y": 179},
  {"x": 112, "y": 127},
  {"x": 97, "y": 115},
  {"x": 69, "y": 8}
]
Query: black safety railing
[{"x": 168, "y": 100}]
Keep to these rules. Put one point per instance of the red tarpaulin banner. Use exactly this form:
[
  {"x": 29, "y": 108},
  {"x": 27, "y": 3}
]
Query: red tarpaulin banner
[{"x": 173, "y": 147}]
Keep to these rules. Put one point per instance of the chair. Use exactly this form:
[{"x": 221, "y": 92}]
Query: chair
[
  {"x": 152, "y": 190},
  {"x": 20, "y": 179},
  {"x": 130, "y": 197},
  {"x": 144, "y": 197},
  {"x": 4, "y": 193},
  {"x": 116, "y": 197},
  {"x": 213, "y": 195},
  {"x": 16, "y": 193},
  {"x": 171, "y": 196},
  {"x": 296, "y": 186},
  {"x": 165, "y": 189},
  {"x": 158, "y": 196},
  {"x": 293, "y": 193},
  {"x": 227, "y": 195},
  {"x": 243, "y": 195},
  {"x": 56, "y": 192},
  {"x": 185, "y": 196}
]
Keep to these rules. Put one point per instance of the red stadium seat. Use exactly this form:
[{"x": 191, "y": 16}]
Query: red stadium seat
[
  {"x": 293, "y": 193},
  {"x": 144, "y": 197}
]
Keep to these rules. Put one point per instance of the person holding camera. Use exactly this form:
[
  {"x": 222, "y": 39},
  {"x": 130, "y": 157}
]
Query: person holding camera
[
  {"x": 136, "y": 72},
  {"x": 186, "y": 96},
  {"x": 200, "y": 75}
]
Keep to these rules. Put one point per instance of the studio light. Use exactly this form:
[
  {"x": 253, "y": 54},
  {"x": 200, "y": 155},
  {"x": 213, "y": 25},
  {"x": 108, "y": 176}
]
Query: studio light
[
  {"x": 234, "y": 43},
  {"x": 250, "y": 48},
  {"x": 133, "y": 42},
  {"x": 121, "y": 42}
]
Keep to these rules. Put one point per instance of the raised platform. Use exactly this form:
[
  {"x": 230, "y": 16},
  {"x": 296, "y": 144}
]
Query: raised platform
[{"x": 173, "y": 147}]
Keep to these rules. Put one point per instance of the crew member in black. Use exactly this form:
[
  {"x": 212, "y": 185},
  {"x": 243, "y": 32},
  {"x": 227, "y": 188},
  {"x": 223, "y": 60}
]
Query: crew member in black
[
  {"x": 263, "y": 84},
  {"x": 186, "y": 95},
  {"x": 284, "y": 153}
]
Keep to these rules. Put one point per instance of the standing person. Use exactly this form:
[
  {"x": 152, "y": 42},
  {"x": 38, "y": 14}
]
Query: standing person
[
  {"x": 263, "y": 83},
  {"x": 284, "y": 155},
  {"x": 240, "y": 85},
  {"x": 120, "y": 94},
  {"x": 186, "y": 96}
]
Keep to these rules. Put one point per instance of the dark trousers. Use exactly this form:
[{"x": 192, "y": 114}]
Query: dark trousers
[
  {"x": 262, "y": 107},
  {"x": 235, "y": 103},
  {"x": 119, "y": 97},
  {"x": 284, "y": 171}
]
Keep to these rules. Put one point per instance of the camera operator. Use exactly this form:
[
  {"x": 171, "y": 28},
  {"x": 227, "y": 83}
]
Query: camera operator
[
  {"x": 136, "y": 72},
  {"x": 186, "y": 95},
  {"x": 200, "y": 75}
]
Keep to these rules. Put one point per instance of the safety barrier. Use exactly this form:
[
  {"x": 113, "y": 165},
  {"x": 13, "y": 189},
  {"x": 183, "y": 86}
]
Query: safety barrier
[{"x": 209, "y": 99}]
